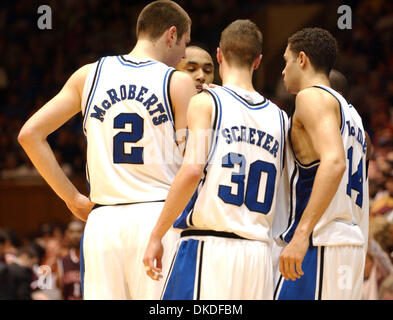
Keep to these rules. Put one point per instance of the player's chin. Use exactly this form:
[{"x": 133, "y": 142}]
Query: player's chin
[
  {"x": 199, "y": 88},
  {"x": 290, "y": 88}
]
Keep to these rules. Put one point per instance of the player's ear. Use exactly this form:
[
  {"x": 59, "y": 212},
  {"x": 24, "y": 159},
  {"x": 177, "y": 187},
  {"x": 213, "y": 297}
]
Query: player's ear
[
  {"x": 171, "y": 36},
  {"x": 257, "y": 62},
  {"x": 302, "y": 57},
  {"x": 219, "y": 55}
]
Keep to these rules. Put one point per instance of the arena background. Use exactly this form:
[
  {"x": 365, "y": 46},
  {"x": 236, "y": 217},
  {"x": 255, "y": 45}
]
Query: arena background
[{"x": 35, "y": 63}]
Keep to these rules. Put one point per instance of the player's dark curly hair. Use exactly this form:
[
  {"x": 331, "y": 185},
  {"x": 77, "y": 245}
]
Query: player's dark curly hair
[{"x": 318, "y": 44}]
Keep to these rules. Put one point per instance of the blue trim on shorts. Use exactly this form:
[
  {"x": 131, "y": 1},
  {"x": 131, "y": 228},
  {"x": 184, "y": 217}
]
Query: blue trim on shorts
[
  {"x": 181, "y": 281},
  {"x": 303, "y": 288}
]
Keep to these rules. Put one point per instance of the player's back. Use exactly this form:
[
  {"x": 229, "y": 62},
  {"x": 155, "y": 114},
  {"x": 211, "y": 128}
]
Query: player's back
[
  {"x": 343, "y": 222},
  {"x": 238, "y": 190},
  {"x": 132, "y": 155}
]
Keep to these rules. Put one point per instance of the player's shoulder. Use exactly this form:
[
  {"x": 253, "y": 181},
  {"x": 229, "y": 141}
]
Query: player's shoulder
[
  {"x": 314, "y": 99},
  {"x": 202, "y": 101},
  {"x": 181, "y": 85},
  {"x": 180, "y": 77}
]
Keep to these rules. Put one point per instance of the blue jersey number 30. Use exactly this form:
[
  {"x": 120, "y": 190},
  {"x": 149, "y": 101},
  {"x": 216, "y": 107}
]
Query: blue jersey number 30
[{"x": 248, "y": 194}]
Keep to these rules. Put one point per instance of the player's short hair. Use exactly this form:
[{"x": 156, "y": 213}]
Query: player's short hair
[
  {"x": 241, "y": 42},
  {"x": 159, "y": 16},
  {"x": 200, "y": 46},
  {"x": 318, "y": 44}
]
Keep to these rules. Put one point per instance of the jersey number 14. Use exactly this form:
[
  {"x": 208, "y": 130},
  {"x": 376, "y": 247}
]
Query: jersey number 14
[{"x": 355, "y": 180}]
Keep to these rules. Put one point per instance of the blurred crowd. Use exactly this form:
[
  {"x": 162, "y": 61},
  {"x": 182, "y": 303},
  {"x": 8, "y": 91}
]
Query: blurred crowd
[
  {"x": 34, "y": 65},
  {"x": 366, "y": 59},
  {"x": 45, "y": 266}
]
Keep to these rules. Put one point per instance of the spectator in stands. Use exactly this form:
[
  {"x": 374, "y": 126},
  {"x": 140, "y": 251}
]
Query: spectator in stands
[
  {"x": 69, "y": 277},
  {"x": 19, "y": 275}
]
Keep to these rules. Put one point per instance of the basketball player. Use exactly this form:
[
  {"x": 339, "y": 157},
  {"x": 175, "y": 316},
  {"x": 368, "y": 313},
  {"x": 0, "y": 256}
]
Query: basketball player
[
  {"x": 69, "y": 277},
  {"x": 339, "y": 83},
  {"x": 327, "y": 224},
  {"x": 132, "y": 106},
  {"x": 198, "y": 63},
  {"x": 226, "y": 188}
]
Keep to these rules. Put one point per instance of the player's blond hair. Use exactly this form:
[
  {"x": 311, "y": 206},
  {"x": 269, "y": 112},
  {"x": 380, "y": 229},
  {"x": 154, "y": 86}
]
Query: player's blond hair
[
  {"x": 159, "y": 16},
  {"x": 241, "y": 43}
]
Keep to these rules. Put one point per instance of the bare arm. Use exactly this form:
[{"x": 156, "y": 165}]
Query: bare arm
[
  {"x": 186, "y": 180},
  {"x": 182, "y": 89},
  {"x": 35, "y": 131},
  {"x": 317, "y": 113}
]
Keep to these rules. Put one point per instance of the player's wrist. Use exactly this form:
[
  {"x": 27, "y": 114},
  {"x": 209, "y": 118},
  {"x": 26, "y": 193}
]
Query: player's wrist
[
  {"x": 157, "y": 234},
  {"x": 303, "y": 233}
]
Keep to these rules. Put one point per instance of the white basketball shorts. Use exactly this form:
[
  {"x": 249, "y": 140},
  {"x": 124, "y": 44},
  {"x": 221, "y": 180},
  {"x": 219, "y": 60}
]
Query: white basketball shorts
[
  {"x": 114, "y": 242},
  {"x": 218, "y": 267},
  {"x": 330, "y": 273}
]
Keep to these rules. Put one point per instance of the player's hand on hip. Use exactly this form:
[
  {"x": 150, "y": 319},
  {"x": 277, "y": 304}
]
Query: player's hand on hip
[
  {"x": 81, "y": 207},
  {"x": 291, "y": 258},
  {"x": 152, "y": 259}
]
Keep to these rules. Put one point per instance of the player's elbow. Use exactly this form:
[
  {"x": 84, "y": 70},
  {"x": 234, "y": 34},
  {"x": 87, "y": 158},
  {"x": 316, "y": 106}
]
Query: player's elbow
[
  {"x": 25, "y": 136},
  {"x": 336, "y": 167},
  {"x": 194, "y": 172}
]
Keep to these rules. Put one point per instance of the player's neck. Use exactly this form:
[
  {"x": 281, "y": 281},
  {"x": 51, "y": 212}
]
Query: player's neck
[
  {"x": 314, "y": 79},
  {"x": 241, "y": 78},
  {"x": 146, "y": 49}
]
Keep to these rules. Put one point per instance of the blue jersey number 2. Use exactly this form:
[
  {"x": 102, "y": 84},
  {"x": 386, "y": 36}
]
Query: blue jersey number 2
[
  {"x": 248, "y": 194},
  {"x": 119, "y": 140}
]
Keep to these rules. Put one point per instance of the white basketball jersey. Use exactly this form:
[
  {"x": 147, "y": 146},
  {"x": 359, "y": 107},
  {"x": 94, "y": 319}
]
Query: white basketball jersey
[
  {"x": 237, "y": 193},
  {"x": 345, "y": 221},
  {"x": 132, "y": 155}
]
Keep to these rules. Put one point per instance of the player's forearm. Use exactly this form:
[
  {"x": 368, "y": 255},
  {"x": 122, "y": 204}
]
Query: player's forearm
[
  {"x": 43, "y": 158},
  {"x": 327, "y": 180},
  {"x": 181, "y": 191}
]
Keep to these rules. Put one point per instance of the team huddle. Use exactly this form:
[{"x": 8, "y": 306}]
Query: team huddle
[{"x": 200, "y": 191}]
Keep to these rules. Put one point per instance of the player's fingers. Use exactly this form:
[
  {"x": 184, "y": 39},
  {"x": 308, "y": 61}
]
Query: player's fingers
[
  {"x": 299, "y": 269},
  {"x": 159, "y": 264},
  {"x": 291, "y": 269},
  {"x": 284, "y": 266},
  {"x": 153, "y": 272}
]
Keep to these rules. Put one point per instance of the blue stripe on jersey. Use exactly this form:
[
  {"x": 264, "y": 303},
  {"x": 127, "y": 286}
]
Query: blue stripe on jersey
[
  {"x": 217, "y": 102},
  {"x": 181, "y": 222},
  {"x": 165, "y": 89},
  {"x": 87, "y": 172},
  {"x": 303, "y": 288},
  {"x": 181, "y": 281},
  {"x": 243, "y": 102},
  {"x": 282, "y": 137},
  {"x": 82, "y": 263},
  {"x": 132, "y": 64},
  {"x": 302, "y": 190},
  {"x": 185, "y": 220},
  {"x": 94, "y": 90}
]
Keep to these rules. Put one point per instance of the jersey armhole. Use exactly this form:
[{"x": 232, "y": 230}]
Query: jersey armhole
[{"x": 87, "y": 87}]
